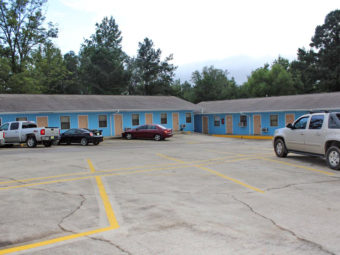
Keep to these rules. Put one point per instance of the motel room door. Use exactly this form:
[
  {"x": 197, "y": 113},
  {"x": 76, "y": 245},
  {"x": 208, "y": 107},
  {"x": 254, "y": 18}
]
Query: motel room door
[
  {"x": 205, "y": 125},
  {"x": 290, "y": 117},
  {"x": 42, "y": 121},
  {"x": 257, "y": 124},
  {"x": 175, "y": 121},
  {"x": 118, "y": 123},
  {"x": 83, "y": 121},
  {"x": 148, "y": 118},
  {"x": 229, "y": 124}
]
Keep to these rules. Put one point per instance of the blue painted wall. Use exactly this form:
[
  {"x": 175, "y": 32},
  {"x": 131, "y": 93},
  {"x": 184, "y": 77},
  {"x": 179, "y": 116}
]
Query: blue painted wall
[
  {"x": 247, "y": 130},
  {"x": 93, "y": 119},
  {"x": 198, "y": 124},
  {"x": 156, "y": 117}
]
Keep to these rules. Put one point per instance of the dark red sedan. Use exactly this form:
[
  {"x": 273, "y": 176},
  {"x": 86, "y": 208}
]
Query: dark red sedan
[{"x": 151, "y": 131}]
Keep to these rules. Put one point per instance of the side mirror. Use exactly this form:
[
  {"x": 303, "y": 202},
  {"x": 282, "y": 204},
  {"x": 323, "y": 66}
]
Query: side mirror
[{"x": 290, "y": 126}]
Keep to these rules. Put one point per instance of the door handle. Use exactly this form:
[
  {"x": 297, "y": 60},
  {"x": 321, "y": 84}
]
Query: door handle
[{"x": 302, "y": 134}]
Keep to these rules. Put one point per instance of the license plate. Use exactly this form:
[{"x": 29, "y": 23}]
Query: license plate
[{"x": 52, "y": 137}]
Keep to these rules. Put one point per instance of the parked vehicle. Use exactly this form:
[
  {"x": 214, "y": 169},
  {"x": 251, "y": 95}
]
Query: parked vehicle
[
  {"x": 28, "y": 132},
  {"x": 2, "y": 139},
  {"x": 313, "y": 134},
  {"x": 82, "y": 136},
  {"x": 152, "y": 131}
]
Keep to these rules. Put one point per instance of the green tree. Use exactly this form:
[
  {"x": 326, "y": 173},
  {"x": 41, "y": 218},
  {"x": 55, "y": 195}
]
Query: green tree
[
  {"x": 274, "y": 80},
  {"x": 151, "y": 75},
  {"x": 22, "y": 29},
  {"x": 326, "y": 41},
  {"x": 49, "y": 70},
  {"x": 102, "y": 61},
  {"x": 183, "y": 90},
  {"x": 5, "y": 70},
  {"x": 73, "y": 84},
  {"x": 213, "y": 84},
  {"x": 319, "y": 68}
]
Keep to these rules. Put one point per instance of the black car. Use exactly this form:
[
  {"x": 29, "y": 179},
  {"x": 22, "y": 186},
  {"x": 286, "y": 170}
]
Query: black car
[{"x": 82, "y": 136}]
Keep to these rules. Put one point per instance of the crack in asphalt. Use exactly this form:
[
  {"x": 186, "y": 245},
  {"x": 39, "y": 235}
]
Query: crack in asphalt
[
  {"x": 61, "y": 193},
  {"x": 316, "y": 245},
  {"x": 70, "y": 214},
  {"x": 83, "y": 200},
  {"x": 297, "y": 184},
  {"x": 110, "y": 243}
]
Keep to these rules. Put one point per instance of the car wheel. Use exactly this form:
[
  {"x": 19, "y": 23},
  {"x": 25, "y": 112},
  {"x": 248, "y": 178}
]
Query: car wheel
[
  {"x": 128, "y": 136},
  {"x": 333, "y": 157},
  {"x": 47, "y": 144},
  {"x": 157, "y": 137},
  {"x": 95, "y": 142},
  {"x": 280, "y": 148},
  {"x": 84, "y": 142},
  {"x": 31, "y": 142}
]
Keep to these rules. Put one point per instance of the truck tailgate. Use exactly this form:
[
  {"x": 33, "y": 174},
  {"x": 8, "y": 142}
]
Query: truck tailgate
[{"x": 52, "y": 132}]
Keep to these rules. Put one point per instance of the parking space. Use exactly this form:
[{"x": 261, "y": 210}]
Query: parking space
[{"x": 191, "y": 194}]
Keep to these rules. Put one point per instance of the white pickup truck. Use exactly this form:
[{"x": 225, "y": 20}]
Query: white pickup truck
[
  {"x": 313, "y": 134},
  {"x": 28, "y": 132}
]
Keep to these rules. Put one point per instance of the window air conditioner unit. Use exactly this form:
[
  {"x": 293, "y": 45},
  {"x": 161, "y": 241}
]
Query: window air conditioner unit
[
  {"x": 265, "y": 130},
  {"x": 242, "y": 124}
]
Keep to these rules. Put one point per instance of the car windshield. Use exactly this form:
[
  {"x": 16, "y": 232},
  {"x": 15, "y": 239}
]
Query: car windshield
[
  {"x": 4, "y": 127},
  {"x": 162, "y": 127}
]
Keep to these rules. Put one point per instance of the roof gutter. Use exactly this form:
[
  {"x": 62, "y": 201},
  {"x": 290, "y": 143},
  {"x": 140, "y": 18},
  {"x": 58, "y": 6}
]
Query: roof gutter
[
  {"x": 288, "y": 110},
  {"x": 110, "y": 111}
]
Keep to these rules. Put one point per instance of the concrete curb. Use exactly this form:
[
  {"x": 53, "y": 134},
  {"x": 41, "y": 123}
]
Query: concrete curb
[{"x": 246, "y": 137}]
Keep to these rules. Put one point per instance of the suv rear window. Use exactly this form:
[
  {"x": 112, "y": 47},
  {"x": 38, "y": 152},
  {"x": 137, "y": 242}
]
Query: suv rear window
[{"x": 334, "y": 121}]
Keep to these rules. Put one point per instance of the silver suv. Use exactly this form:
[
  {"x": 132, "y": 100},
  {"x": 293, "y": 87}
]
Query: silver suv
[{"x": 313, "y": 134}]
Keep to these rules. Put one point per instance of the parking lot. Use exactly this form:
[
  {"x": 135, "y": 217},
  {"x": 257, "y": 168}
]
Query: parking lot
[{"x": 190, "y": 194}]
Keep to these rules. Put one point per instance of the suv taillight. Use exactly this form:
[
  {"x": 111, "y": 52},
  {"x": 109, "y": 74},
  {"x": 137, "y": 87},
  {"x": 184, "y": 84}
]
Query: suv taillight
[{"x": 42, "y": 131}]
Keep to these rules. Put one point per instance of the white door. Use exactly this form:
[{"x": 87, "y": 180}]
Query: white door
[
  {"x": 295, "y": 138},
  {"x": 314, "y": 135}
]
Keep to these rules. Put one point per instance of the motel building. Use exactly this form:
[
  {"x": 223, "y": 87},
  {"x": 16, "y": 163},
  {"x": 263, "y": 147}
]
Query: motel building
[
  {"x": 114, "y": 114},
  {"x": 259, "y": 116},
  {"x": 111, "y": 114}
]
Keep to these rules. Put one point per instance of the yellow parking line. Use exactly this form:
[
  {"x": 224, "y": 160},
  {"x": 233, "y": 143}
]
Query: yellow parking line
[
  {"x": 108, "y": 208},
  {"x": 226, "y": 152},
  {"x": 246, "y": 137},
  {"x": 43, "y": 178},
  {"x": 176, "y": 166},
  {"x": 241, "y": 155},
  {"x": 213, "y": 172},
  {"x": 52, "y": 241},
  {"x": 298, "y": 166},
  {"x": 78, "y": 173},
  {"x": 109, "y": 213},
  {"x": 48, "y": 182},
  {"x": 101, "y": 171},
  {"x": 229, "y": 161},
  {"x": 230, "y": 179},
  {"x": 91, "y": 166}
]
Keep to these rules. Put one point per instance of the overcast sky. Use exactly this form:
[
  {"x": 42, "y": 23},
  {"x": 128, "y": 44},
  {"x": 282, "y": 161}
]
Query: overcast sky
[{"x": 194, "y": 31}]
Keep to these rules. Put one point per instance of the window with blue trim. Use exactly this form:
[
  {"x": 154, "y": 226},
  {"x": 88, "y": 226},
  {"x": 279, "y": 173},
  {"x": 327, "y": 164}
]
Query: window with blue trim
[
  {"x": 217, "y": 121},
  {"x": 135, "y": 119}
]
